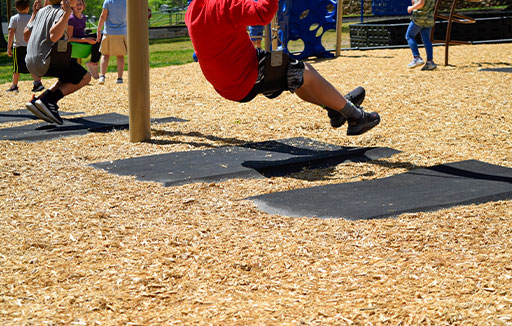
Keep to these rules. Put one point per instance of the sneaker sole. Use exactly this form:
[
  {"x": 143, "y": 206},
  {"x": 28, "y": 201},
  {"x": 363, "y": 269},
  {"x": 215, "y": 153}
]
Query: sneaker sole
[
  {"x": 412, "y": 67},
  {"x": 363, "y": 129},
  {"x": 32, "y": 108},
  {"x": 47, "y": 112}
]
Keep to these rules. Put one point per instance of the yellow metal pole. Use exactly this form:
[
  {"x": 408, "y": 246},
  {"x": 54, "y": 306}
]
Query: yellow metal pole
[
  {"x": 138, "y": 70},
  {"x": 339, "y": 21}
]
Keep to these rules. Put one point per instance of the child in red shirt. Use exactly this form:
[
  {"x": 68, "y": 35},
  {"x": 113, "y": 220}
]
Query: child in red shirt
[{"x": 239, "y": 72}]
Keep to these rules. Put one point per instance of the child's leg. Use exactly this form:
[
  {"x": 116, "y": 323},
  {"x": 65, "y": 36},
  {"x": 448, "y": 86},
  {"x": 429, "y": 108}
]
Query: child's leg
[
  {"x": 425, "y": 37},
  {"x": 104, "y": 64},
  {"x": 35, "y": 78},
  {"x": 319, "y": 91},
  {"x": 410, "y": 35},
  {"x": 15, "y": 78},
  {"x": 120, "y": 66}
]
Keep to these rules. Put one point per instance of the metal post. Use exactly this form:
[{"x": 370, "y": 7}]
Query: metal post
[
  {"x": 339, "y": 26},
  {"x": 268, "y": 37},
  {"x": 275, "y": 33},
  {"x": 362, "y": 10},
  {"x": 138, "y": 65},
  {"x": 9, "y": 8}
]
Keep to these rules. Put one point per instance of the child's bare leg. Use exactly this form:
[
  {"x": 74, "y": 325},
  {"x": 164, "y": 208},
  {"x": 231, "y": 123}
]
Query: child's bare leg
[
  {"x": 35, "y": 78},
  {"x": 104, "y": 64},
  {"x": 319, "y": 91},
  {"x": 120, "y": 66},
  {"x": 15, "y": 78}
]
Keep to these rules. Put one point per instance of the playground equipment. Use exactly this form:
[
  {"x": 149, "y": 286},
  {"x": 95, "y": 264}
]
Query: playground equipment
[
  {"x": 451, "y": 18},
  {"x": 138, "y": 61},
  {"x": 307, "y": 21}
]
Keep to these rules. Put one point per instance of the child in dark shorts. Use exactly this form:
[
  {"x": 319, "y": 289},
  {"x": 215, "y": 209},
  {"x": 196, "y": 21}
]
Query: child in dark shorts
[
  {"x": 46, "y": 27},
  {"x": 239, "y": 72},
  {"x": 17, "y": 47}
]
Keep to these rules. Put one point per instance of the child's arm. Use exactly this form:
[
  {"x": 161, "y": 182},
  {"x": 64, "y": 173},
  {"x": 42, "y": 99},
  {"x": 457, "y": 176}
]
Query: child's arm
[
  {"x": 58, "y": 29},
  {"x": 88, "y": 40},
  {"x": 250, "y": 12},
  {"x": 10, "y": 40},
  {"x": 101, "y": 22},
  {"x": 28, "y": 29},
  {"x": 417, "y": 5}
]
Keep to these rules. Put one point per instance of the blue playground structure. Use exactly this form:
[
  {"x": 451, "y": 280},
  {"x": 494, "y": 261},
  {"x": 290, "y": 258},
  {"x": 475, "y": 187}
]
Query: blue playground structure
[{"x": 308, "y": 20}]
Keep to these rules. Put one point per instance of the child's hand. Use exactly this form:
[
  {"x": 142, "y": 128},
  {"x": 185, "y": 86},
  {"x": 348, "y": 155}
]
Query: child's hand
[
  {"x": 409, "y": 9},
  {"x": 66, "y": 6},
  {"x": 36, "y": 7},
  {"x": 9, "y": 52}
]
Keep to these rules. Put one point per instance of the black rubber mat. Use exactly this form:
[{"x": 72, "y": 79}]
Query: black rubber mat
[
  {"x": 433, "y": 188},
  {"x": 24, "y": 114},
  {"x": 253, "y": 160},
  {"x": 72, "y": 127}
]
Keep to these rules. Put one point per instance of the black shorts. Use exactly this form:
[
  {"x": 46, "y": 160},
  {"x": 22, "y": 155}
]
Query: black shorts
[
  {"x": 18, "y": 60},
  {"x": 72, "y": 72},
  {"x": 272, "y": 81}
]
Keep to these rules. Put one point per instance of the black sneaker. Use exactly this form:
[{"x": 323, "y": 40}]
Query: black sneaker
[
  {"x": 31, "y": 106},
  {"x": 367, "y": 122},
  {"x": 50, "y": 109},
  {"x": 356, "y": 96},
  {"x": 37, "y": 87},
  {"x": 13, "y": 88}
]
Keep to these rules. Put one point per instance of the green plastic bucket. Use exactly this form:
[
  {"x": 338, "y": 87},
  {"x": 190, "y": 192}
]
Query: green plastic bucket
[{"x": 80, "y": 50}]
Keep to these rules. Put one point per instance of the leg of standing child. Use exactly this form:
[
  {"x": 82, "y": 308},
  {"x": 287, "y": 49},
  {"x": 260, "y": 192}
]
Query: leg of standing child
[
  {"x": 120, "y": 69},
  {"x": 103, "y": 68},
  {"x": 410, "y": 36},
  {"x": 425, "y": 37},
  {"x": 15, "y": 74}
]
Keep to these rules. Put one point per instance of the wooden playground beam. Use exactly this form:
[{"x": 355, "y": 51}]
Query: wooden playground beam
[
  {"x": 9, "y": 8},
  {"x": 339, "y": 24},
  {"x": 138, "y": 65}
]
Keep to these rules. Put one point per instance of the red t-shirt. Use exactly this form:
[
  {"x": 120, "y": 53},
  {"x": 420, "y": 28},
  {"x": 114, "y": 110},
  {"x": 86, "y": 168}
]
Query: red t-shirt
[{"x": 226, "y": 54}]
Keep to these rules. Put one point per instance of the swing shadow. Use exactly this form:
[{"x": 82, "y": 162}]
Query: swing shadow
[{"x": 323, "y": 161}]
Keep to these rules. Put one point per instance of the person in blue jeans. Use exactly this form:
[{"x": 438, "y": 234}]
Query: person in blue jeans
[{"x": 422, "y": 21}]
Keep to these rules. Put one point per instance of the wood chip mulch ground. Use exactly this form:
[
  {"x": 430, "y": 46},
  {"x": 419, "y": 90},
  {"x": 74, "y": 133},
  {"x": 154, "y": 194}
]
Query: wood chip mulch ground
[{"x": 80, "y": 246}]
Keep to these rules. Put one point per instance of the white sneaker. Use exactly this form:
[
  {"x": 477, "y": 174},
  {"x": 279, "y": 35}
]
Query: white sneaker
[
  {"x": 101, "y": 81},
  {"x": 415, "y": 62}
]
